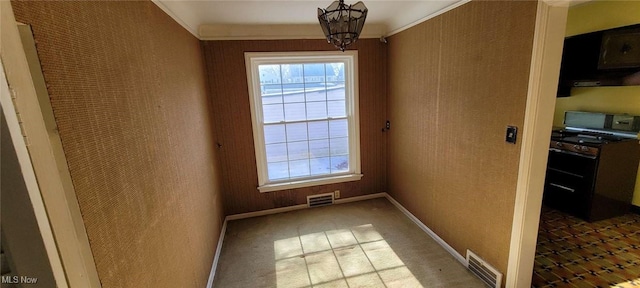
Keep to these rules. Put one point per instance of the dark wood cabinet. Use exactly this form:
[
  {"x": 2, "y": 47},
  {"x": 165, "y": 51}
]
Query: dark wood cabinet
[
  {"x": 601, "y": 58},
  {"x": 620, "y": 49}
]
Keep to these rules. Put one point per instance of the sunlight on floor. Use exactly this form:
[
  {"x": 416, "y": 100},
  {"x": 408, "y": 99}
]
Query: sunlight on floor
[
  {"x": 356, "y": 257},
  {"x": 632, "y": 283}
]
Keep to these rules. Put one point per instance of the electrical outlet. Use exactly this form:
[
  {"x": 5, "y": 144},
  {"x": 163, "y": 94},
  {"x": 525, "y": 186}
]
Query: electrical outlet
[{"x": 336, "y": 194}]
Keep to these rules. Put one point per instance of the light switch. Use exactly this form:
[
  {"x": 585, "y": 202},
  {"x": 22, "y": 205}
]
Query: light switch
[{"x": 512, "y": 134}]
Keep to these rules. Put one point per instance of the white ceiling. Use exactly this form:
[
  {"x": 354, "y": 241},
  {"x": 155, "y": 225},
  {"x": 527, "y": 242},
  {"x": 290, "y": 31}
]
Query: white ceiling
[
  {"x": 244, "y": 19},
  {"x": 394, "y": 15}
]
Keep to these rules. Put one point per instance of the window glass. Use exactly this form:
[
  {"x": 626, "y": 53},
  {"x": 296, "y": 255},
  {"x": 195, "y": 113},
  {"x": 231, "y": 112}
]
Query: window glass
[{"x": 306, "y": 129}]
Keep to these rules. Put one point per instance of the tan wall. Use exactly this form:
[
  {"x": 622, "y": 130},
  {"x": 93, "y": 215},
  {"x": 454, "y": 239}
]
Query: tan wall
[
  {"x": 128, "y": 91},
  {"x": 228, "y": 88},
  {"x": 455, "y": 82},
  {"x": 597, "y": 16}
]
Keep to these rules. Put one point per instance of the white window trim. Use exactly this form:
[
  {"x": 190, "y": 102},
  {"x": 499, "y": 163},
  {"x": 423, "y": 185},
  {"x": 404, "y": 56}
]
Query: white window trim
[{"x": 252, "y": 60}]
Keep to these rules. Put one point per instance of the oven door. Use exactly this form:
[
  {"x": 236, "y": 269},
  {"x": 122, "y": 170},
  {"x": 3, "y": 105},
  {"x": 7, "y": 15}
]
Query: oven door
[{"x": 569, "y": 182}]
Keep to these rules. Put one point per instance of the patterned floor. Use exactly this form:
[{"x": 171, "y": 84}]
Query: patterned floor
[{"x": 574, "y": 253}]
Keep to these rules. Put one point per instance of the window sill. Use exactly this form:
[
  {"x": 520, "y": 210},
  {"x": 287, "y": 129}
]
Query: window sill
[{"x": 309, "y": 183}]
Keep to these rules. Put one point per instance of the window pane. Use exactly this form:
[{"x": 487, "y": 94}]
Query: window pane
[
  {"x": 271, "y": 94},
  {"x": 293, "y": 93},
  {"x": 272, "y": 113},
  {"x": 320, "y": 166},
  {"x": 296, "y": 132},
  {"x": 299, "y": 168},
  {"x": 298, "y": 150},
  {"x": 295, "y": 112},
  {"x": 272, "y": 99},
  {"x": 269, "y": 74},
  {"x": 335, "y": 91},
  {"x": 335, "y": 71},
  {"x": 291, "y": 73},
  {"x": 318, "y": 94},
  {"x": 338, "y": 128},
  {"x": 337, "y": 109},
  {"x": 316, "y": 110},
  {"x": 305, "y": 120},
  {"x": 278, "y": 170},
  {"x": 314, "y": 73},
  {"x": 319, "y": 130},
  {"x": 274, "y": 134},
  {"x": 276, "y": 152},
  {"x": 339, "y": 146},
  {"x": 319, "y": 148},
  {"x": 339, "y": 164}
]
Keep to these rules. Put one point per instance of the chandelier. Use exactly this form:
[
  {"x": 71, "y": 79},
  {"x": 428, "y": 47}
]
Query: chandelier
[{"x": 342, "y": 23}]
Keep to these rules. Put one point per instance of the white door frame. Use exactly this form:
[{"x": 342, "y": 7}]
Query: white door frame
[
  {"x": 64, "y": 214},
  {"x": 48, "y": 161},
  {"x": 549, "y": 35},
  {"x": 31, "y": 184}
]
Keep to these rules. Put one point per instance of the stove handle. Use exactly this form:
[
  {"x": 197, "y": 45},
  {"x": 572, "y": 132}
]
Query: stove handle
[
  {"x": 563, "y": 187},
  {"x": 572, "y": 153}
]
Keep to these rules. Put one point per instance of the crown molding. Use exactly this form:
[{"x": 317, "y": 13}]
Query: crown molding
[
  {"x": 276, "y": 31},
  {"x": 175, "y": 17},
  {"x": 432, "y": 15}
]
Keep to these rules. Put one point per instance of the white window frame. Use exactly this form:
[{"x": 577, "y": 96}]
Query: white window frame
[{"x": 350, "y": 60}]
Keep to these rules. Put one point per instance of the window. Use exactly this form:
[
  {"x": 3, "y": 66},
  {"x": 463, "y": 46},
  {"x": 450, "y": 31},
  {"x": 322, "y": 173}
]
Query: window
[{"x": 304, "y": 108}]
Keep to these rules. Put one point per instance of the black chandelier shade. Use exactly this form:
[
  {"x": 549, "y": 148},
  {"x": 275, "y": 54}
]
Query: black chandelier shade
[{"x": 342, "y": 23}]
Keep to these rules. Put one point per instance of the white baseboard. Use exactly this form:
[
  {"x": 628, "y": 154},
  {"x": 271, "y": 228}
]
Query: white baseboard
[
  {"x": 265, "y": 212},
  {"x": 216, "y": 257},
  {"x": 301, "y": 206},
  {"x": 429, "y": 232},
  {"x": 360, "y": 198}
]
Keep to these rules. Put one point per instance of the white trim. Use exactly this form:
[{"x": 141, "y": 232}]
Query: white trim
[
  {"x": 429, "y": 232},
  {"x": 276, "y": 31},
  {"x": 175, "y": 17},
  {"x": 266, "y": 212},
  {"x": 350, "y": 60},
  {"x": 430, "y": 16},
  {"x": 30, "y": 181},
  {"x": 301, "y": 206},
  {"x": 216, "y": 257},
  {"x": 48, "y": 161},
  {"x": 541, "y": 96},
  {"x": 309, "y": 183},
  {"x": 360, "y": 198}
]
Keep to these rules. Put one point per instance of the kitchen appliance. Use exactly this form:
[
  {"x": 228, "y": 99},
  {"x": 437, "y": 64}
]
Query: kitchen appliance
[{"x": 592, "y": 165}]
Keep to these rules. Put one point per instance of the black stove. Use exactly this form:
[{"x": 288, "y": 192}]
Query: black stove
[
  {"x": 592, "y": 166},
  {"x": 584, "y": 137}
]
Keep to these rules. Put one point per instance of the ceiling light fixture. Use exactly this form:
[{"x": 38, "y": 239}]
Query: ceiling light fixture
[{"x": 342, "y": 23}]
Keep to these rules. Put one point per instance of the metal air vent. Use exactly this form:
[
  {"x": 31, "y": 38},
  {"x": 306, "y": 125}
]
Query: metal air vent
[
  {"x": 483, "y": 270},
  {"x": 320, "y": 200}
]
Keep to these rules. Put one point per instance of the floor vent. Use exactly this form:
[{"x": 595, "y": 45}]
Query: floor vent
[
  {"x": 484, "y": 271},
  {"x": 320, "y": 200}
]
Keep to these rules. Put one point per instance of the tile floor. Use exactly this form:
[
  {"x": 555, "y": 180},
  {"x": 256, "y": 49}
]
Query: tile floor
[{"x": 575, "y": 253}]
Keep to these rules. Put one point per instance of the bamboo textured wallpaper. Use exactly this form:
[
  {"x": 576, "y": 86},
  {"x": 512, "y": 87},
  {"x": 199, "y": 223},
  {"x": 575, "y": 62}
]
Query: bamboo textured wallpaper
[
  {"x": 231, "y": 111},
  {"x": 455, "y": 82},
  {"x": 128, "y": 89}
]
